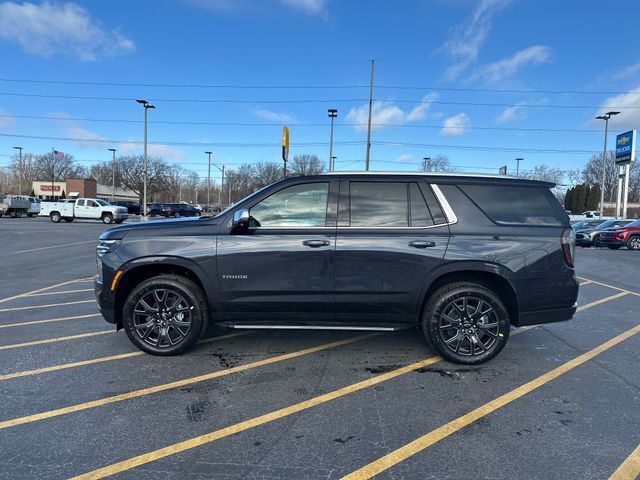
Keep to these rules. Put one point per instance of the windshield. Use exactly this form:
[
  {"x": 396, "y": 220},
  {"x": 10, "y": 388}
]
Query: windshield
[{"x": 635, "y": 223}]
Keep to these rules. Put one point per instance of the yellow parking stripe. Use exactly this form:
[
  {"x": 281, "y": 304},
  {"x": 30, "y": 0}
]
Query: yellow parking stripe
[
  {"x": 60, "y": 293},
  {"x": 433, "y": 437},
  {"x": 179, "y": 383},
  {"x": 611, "y": 286},
  {"x": 602, "y": 300},
  {"x": 110, "y": 358},
  {"x": 269, "y": 417},
  {"x": 49, "y": 320},
  {"x": 45, "y": 289},
  {"x": 630, "y": 468},
  {"x": 53, "y": 340},
  {"x": 586, "y": 282},
  {"x": 31, "y": 307}
]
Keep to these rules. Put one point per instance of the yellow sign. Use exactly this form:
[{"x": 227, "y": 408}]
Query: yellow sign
[{"x": 285, "y": 144}]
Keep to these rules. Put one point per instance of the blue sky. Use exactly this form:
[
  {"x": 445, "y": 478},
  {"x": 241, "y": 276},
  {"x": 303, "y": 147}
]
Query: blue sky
[{"x": 453, "y": 61}]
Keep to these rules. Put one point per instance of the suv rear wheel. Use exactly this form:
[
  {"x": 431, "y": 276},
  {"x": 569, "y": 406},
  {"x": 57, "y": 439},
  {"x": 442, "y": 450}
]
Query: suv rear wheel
[
  {"x": 165, "y": 315},
  {"x": 466, "y": 323}
]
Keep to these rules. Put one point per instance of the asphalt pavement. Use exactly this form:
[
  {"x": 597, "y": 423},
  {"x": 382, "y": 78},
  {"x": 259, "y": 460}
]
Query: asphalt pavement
[{"x": 560, "y": 402}]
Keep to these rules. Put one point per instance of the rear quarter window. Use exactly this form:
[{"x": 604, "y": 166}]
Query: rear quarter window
[{"x": 517, "y": 205}]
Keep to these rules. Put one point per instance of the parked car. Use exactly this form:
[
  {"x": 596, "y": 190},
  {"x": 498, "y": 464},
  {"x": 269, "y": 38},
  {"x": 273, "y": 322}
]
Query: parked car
[
  {"x": 587, "y": 223},
  {"x": 14, "y": 206},
  {"x": 463, "y": 257},
  {"x": 154, "y": 209},
  {"x": 1, "y": 210},
  {"x": 587, "y": 237},
  {"x": 628, "y": 236},
  {"x": 87, "y": 208},
  {"x": 34, "y": 206},
  {"x": 179, "y": 210},
  {"x": 133, "y": 208}
]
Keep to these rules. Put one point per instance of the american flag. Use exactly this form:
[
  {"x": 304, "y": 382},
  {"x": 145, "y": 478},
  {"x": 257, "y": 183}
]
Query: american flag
[{"x": 57, "y": 155}]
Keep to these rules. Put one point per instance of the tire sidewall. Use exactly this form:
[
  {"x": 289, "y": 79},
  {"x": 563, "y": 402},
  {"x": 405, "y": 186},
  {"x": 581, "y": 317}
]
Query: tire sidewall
[
  {"x": 107, "y": 218},
  {"x": 441, "y": 298},
  {"x": 630, "y": 242},
  {"x": 191, "y": 293},
  {"x": 55, "y": 217}
]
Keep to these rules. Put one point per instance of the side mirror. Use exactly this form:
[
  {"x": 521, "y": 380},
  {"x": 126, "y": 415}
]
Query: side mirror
[{"x": 240, "y": 220}]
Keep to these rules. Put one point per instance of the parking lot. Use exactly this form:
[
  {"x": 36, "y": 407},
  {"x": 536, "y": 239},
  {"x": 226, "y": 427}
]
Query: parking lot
[{"x": 561, "y": 401}]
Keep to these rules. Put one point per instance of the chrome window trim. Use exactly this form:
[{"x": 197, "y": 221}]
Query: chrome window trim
[{"x": 444, "y": 203}]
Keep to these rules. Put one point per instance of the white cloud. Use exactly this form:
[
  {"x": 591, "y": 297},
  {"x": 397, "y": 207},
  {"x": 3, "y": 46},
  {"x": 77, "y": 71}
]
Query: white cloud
[
  {"x": 63, "y": 28},
  {"x": 455, "y": 126},
  {"x": 387, "y": 112},
  {"x": 404, "y": 158},
  {"x": 75, "y": 130},
  {"x": 310, "y": 7},
  {"x": 498, "y": 71},
  {"x": 631, "y": 71},
  {"x": 281, "y": 117},
  {"x": 166, "y": 152},
  {"x": 466, "y": 39},
  {"x": 510, "y": 114},
  {"x": 628, "y": 104},
  {"x": 5, "y": 121}
]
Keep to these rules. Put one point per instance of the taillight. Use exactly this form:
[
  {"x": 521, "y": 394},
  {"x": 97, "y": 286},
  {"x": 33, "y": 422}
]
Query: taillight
[{"x": 568, "y": 244}]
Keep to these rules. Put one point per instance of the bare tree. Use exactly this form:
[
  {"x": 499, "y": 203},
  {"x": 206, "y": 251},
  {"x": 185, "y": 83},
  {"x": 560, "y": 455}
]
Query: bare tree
[
  {"x": 439, "y": 163},
  {"x": 266, "y": 173},
  {"x": 48, "y": 167},
  {"x": 306, "y": 165},
  {"x": 545, "y": 173},
  {"x": 131, "y": 168}
]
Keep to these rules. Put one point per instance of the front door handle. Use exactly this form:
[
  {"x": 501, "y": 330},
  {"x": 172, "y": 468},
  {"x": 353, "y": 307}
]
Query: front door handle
[
  {"x": 316, "y": 243},
  {"x": 422, "y": 244}
]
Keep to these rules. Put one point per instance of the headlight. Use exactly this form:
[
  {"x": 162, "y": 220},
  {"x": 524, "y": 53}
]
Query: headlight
[{"x": 106, "y": 246}]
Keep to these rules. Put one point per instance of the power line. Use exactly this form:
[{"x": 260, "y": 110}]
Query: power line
[
  {"x": 333, "y": 101},
  {"x": 486, "y": 148}
]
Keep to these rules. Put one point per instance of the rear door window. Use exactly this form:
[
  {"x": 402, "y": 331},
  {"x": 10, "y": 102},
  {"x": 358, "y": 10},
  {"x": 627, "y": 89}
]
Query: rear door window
[
  {"x": 517, "y": 205},
  {"x": 379, "y": 204}
]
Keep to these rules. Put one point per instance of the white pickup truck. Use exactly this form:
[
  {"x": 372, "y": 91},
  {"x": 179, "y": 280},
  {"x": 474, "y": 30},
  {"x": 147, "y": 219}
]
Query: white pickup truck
[{"x": 86, "y": 208}]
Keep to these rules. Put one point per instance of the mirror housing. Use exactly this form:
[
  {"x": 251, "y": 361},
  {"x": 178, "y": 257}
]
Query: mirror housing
[{"x": 240, "y": 221}]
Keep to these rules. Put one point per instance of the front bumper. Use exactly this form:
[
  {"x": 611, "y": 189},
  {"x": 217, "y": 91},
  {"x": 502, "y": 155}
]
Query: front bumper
[
  {"x": 121, "y": 216},
  {"x": 105, "y": 300}
]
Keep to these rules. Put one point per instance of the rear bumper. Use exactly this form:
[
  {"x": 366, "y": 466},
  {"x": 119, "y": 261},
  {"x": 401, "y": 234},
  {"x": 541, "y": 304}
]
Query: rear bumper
[{"x": 546, "y": 316}]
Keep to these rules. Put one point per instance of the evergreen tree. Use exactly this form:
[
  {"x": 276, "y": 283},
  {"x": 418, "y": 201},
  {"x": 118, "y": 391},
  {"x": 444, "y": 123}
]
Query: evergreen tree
[
  {"x": 63, "y": 196},
  {"x": 568, "y": 200}
]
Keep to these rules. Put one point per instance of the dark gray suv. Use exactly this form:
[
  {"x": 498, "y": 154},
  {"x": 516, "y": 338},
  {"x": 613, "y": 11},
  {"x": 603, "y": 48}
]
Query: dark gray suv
[{"x": 463, "y": 257}]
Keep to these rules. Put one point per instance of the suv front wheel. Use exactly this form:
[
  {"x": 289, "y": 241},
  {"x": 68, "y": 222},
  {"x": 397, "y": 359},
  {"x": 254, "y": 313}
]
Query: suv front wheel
[
  {"x": 466, "y": 323},
  {"x": 165, "y": 315}
]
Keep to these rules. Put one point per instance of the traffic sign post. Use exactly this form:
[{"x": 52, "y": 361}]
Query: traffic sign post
[
  {"x": 285, "y": 149},
  {"x": 625, "y": 154}
]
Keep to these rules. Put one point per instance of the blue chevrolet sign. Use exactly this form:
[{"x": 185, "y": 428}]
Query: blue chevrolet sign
[{"x": 625, "y": 147}]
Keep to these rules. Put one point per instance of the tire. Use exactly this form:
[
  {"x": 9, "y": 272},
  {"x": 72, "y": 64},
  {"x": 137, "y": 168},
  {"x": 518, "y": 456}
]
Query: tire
[
  {"x": 119, "y": 221},
  {"x": 633, "y": 243},
  {"x": 460, "y": 345},
  {"x": 614, "y": 247},
  {"x": 158, "y": 338},
  {"x": 597, "y": 242},
  {"x": 29, "y": 215},
  {"x": 55, "y": 217},
  {"x": 107, "y": 218},
  {"x": 68, "y": 219}
]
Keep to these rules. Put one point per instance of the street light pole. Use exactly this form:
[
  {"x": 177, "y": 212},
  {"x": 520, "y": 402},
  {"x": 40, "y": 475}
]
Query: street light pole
[
  {"x": 146, "y": 106},
  {"x": 425, "y": 160},
  {"x": 606, "y": 118},
  {"x": 209, "y": 179},
  {"x": 333, "y": 113},
  {"x": 113, "y": 174},
  {"x": 518, "y": 160},
  {"x": 366, "y": 166},
  {"x": 19, "y": 170}
]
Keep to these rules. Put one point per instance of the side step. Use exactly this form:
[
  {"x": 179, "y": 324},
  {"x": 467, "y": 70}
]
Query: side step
[{"x": 307, "y": 326}]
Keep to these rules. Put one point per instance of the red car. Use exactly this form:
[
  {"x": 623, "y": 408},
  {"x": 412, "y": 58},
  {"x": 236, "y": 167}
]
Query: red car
[{"x": 628, "y": 235}]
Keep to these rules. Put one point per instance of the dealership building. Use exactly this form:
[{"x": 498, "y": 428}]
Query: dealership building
[{"x": 81, "y": 188}]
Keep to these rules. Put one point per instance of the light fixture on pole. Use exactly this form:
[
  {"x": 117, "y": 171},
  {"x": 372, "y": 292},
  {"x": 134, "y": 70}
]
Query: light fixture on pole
[
  {"x": 209, "y": 179},
  {"x": 146, "y": 106},
  {"x": 518, "y": 160},
  {"x": 333, "y": 162},
  {"x": 113, "y": 173},
  {"x": 606, "y": 118},
  {"x": 333, "y": 113},
  {"x": 19, "y": 170},
  {"x": 425, "y": 161}
]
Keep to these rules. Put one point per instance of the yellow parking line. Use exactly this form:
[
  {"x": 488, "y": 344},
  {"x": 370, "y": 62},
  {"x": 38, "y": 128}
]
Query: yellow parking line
[
  {"x": 433, "y": 437},
  {"x": 630, "y": 468},
  {"x": 269, "y": 417},
  {"x": 49, "y": 320},
  {"x": 611, "y": 286},
  {"x": 93, "y": 361},
  {"x": 3, "y": 300},
  {"x": 60, "y": 293},
  {"x": 602, "y": 300},
  {"x": 53, "y": 340},
  {"x": 179, "y": 383},
  {"x": 586, "y": 282},
  {"x": 31, "y": 307}
]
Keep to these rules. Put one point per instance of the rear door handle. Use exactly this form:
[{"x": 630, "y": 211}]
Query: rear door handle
[
  {"x": 422, "y": 244},
  {"x": 316, "y": 243}
]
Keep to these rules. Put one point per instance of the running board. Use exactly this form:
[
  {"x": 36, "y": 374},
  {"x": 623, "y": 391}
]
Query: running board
[{"x": 258, "y": 326}]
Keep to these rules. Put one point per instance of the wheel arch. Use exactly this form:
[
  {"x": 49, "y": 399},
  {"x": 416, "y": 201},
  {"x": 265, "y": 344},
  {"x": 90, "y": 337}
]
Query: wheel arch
[
  {"x": 139, "y": 271},
  {"x": 489, "y": 275}
]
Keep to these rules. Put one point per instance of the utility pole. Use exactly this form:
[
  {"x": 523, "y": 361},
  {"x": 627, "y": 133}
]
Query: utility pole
[
  {"x": 146, "y": 106},
  {"x": 19, "y": 170},
  {"x": 209, "y": 180},
  {"x": 425, "y": 161},
  {"x": 113, "y": 174},
  {"x": 366, "y": 165},
  {"x": 333, "y": 113},
  {"x": 606, "y": 118},
  {"x": 518, "y": 160}
]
